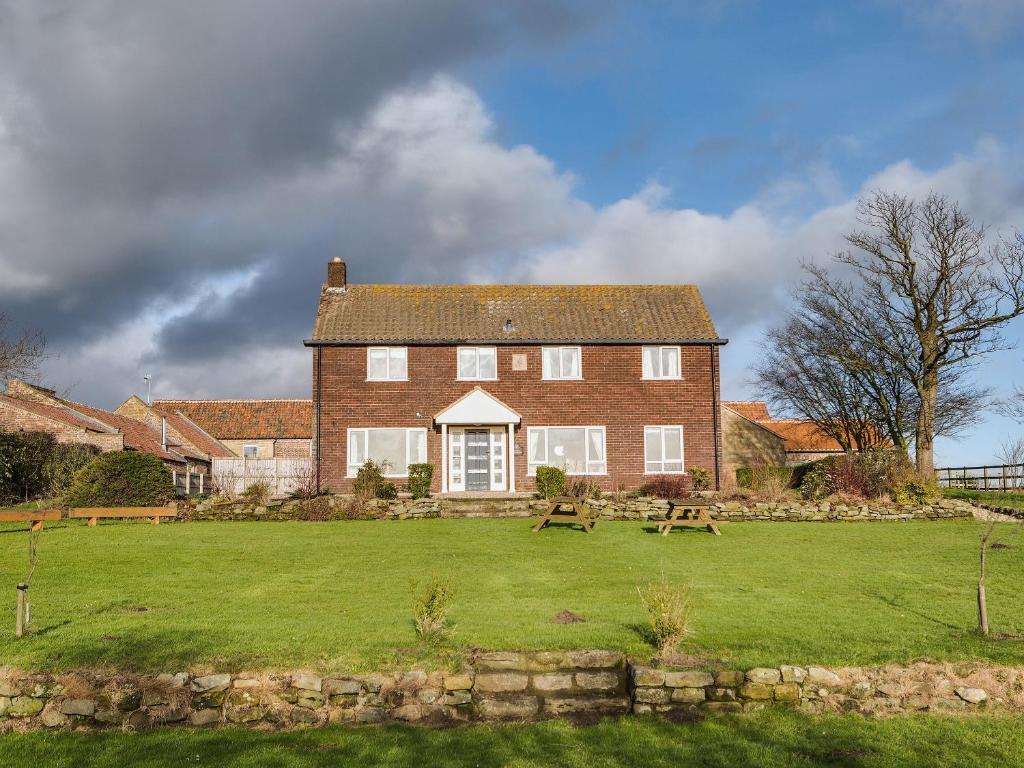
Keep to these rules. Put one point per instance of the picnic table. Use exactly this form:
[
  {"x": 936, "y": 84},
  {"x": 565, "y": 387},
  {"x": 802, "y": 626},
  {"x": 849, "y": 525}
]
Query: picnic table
[
  {"x": 580, "y": 513},
  {"x": 688, "y": 513}
]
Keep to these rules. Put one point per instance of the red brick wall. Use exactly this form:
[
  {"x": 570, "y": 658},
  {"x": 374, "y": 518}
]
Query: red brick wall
[
  {"x": 611, "y": 395},
  {"x": 13, "y": 419}
]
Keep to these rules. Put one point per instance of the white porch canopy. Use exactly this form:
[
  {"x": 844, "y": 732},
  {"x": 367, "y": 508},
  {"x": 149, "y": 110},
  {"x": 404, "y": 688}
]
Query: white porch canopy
[{"x": 478, "y": 408}]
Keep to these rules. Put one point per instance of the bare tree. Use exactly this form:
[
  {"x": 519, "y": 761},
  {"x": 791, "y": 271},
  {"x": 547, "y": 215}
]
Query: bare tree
[
  {"x": 815, "y": 368},
  {"x": 1011, "y": 453},
  {"x": 20, "y": 353},
  {"x": 929, "y": 295}
]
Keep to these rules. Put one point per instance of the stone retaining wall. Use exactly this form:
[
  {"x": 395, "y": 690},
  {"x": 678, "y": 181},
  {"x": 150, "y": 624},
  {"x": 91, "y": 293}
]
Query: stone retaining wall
[
  {"x": 494, "y": 686},
  {"x": 625, "y": 508}
]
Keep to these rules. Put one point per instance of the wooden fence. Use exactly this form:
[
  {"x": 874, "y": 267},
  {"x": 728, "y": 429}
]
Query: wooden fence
[
  {"x": 230, "y": 477},
  {"x": 994, "y": 477}
]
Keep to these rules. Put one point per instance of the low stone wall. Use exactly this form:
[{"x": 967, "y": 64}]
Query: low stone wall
[
  {"x": 610, "y": 508},
  {"x": 496, "y": 686},
  {"x": 890, "y": 690}
]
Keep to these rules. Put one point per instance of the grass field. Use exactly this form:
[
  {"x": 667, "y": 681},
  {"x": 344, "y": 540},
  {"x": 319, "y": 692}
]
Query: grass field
[
  {"x": 768, "y": 738},
  {"x": 336, "y": 595},
  {"x": 997, "y": 498}
]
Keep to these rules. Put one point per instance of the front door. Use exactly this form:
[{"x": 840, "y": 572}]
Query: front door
[{"x": 478, "y": 459}]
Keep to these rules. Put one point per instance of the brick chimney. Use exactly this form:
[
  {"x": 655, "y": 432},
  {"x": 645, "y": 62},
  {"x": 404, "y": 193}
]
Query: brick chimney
[{"x": 336, "y": 273}]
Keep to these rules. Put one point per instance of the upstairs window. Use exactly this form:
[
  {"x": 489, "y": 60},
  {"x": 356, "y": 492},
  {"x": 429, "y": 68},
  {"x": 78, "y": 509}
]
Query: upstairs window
[
  {"x": 478, "y": 363},
  {"x": 387, "y": 364},
  {"x": 661, "y": 363},
  {"x": 562, "y": 363},
  {"x": 663, "y": 450}
]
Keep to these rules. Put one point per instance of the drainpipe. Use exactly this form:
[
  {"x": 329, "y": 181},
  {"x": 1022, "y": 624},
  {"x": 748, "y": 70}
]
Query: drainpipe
[
  {"x": 714, "y": 414},
  {"x": 316, "y": 418}
]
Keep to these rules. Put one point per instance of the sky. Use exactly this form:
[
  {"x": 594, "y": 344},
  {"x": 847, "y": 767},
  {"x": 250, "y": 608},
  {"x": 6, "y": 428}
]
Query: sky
[{"x": 175, "y": 176}]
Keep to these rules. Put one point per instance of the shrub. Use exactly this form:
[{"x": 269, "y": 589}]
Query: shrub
[
  {"x": 815, "y": 482},
  {"x": 121, "y": 479},
  {"x": 368, "y": 479},
  {"x": 23, "y": 456},
  {"x": 869, "y": 474},
  {"x": 584, "y": 489},
  {"x": 550, "y": 482},
  {"x": 420, "y": 477},
  {"x": 387, "y": 491},
  {"x": 916, "y": 490},
  {"x": 430, "y": 605},
  {"x": 257, "y": 493},
  {"x": 701, "y": 477},
  {"x": 316, "y": 510},
  {"x": 764, "y": 475},
  {"x": 668, "y": 609},
  {"x": 666, "y": 487},
  {"x": 62, "y": 464}
]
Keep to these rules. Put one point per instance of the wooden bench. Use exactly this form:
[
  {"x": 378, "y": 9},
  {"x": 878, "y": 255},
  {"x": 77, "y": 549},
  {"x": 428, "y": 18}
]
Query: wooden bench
[
  {"x": 93, "y": 514},
  {"x": 35, "y": 517},
  {"x": 688, "y": 513},
  {"x": 580, "y": 513}
]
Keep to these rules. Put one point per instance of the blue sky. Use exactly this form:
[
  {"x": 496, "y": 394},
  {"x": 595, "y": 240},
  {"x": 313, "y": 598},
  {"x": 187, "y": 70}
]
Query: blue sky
[{"x": 174, "y": 177}]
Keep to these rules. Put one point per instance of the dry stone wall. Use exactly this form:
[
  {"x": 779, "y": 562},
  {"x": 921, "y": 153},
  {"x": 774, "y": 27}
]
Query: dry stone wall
[
  {"x": 497, "y": 686},
  {"x": 625, "y": 508}
]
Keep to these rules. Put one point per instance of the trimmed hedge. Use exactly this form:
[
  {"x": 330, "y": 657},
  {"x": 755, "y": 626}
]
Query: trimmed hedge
[
  {"x": 121, "y": 479},
  {"x": 550, "y": 482},
  {"x": 420, "y": 477},
  {"x": 748, "y": 477}
]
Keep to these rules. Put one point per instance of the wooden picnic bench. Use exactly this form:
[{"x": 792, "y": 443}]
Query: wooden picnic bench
[
  {"x": 93, "y": 514},
  {"x": 688, "y": 513},
  {"x": 580, "y": 513},
  {"x": 34, "y": 517}
]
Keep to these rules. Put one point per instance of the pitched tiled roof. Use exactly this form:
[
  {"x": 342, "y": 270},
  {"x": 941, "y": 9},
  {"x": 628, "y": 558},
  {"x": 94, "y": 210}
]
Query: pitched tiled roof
[
  {"x": 139, "y": 435},
  {"x": 453, "y": 313},
  {"x": 803, "y": 435},
  {"x": 248, "y": 419},
  {"x": 57, "y": 413},
  {"x": 755, "y": 410},
  {"x": 192, "y": 432}
]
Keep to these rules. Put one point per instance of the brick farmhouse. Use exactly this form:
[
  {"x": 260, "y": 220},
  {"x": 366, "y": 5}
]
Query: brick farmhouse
[{"x": 613, "y": 383}]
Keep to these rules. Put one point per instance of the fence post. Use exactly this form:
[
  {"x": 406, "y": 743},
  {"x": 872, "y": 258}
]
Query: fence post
[{"x": 201, "y": 481}]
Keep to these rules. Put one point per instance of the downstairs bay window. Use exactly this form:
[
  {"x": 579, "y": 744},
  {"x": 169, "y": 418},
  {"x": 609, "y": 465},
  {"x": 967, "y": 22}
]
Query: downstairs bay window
[
  {"x": 393, "y": 449},
  {"x": 663, "y": 450},
  {"x": 574, "y": 450}
]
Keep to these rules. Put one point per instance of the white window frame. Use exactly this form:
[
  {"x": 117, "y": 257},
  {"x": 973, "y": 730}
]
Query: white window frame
[
  {"x": 459, "y": 376},
  {"x": 546, "y": 370},
  {"x": 682, "y": 449},
  {"x": 531, "y": 466},
  {"x": 387, "y": 376},
  {"x": 661, "y": 348},
  {"x": 352, "y": 470},
  {"x": 247, "y": 447}
]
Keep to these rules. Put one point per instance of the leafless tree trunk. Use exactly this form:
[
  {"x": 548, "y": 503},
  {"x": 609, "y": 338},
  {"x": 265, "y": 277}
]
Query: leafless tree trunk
[
  {"x": 986, "y": 534},
  {"x": 929, "y": 294}
]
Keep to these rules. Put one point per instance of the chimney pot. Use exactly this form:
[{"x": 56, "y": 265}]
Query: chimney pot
[{"x": 336, "y": 277}]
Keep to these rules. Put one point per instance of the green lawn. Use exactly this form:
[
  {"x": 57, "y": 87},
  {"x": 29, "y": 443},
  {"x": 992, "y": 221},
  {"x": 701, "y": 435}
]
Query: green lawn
[
  {"x": 336, "y": 595},
  {"x": 768, "y": 738},
  {"x": 997, "y": 498}
]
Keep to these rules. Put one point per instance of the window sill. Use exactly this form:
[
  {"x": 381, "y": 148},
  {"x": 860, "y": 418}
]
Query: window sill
[
  {"x": 657, "y": 474},
  {"x": 579, "y": 474},
  {"x": 386, "y": 380},
  {"x": 565, "y": 378},
  {"x": 661, "y": 378},
  {"x": 461, "y": 378}
]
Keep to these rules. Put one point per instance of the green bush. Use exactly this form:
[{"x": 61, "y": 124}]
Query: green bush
[
  {"x": 915, "y": 490},
  {"x": 815, "y": 482},
  {"x": 34, "y": 465},
  {"x": 761, "y": 476},
  {"x": 701, "y": 478},
  {"x": 869, "y": 475},
  {"x": 257, "y": 493},
  {"x": 121, "y": 479},
  {"x": 420, "y": 477},
  {"x": 387, "y": 491},
  {"x": 550, "y": 482},
  {"x": 368, "y": 479},
  {"x": 430, "y": 606}
]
